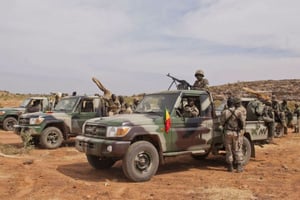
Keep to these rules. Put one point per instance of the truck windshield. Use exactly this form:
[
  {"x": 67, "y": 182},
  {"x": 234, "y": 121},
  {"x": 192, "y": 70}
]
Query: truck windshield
[
  {"x": 157, "y": 103},
  {"x": 66, "y": 105},
  {"x": 25, "y": 103}
]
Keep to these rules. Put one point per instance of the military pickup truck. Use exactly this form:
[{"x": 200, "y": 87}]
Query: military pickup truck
[
  {"x": 141, "y": 141},
  {"x": 9, "y": 116},
  {"x": 50, "y": 129}
]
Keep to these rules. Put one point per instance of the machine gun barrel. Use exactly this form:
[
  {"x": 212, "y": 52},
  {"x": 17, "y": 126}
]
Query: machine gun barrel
[
  {"x": 107, "y": 93},
  {"x": 182, "y": 84},
  {"x": 257, "y": 93}
]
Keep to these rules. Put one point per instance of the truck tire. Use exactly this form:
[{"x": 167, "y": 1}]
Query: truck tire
[
  {"x": 51, "y": 138},
  {"x": 141, "y": 161},
  {"x": 279, "y": 130},
  {"x": 8, "y": 123},
  {"x": 100, "y": 163},
  {"x": 246, "y": 150}
]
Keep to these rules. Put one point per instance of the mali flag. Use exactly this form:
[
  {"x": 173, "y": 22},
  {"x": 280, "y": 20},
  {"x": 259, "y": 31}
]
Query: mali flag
[{"x": 167, "y": 121}]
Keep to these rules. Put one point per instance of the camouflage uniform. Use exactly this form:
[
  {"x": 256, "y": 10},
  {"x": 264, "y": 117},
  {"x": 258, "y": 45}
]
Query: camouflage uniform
[
  {"x": 233, "y": 130},
  {"x": 269, "y": 119},
  {"x": 114, "y": 105},
  {"x": 190, "y": 110},
  {"x": 285, "y": 115},
  {"x": 201, "y": 83},
  {"x": 136, "y": 102},
  {"x": 297, "y": 112},
  {"x": 122, "y": 105}
]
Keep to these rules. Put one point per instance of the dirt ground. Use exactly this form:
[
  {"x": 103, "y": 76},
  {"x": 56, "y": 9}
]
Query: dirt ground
[{"x": 65, "y": 174}]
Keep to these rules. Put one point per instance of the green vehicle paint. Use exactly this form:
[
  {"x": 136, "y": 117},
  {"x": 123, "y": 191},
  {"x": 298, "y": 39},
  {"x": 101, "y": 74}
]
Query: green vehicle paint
[
  {"x": 196, "y": 136},
  {"x": 9, "y": 116},
  {"x": 66, "y": 120}
]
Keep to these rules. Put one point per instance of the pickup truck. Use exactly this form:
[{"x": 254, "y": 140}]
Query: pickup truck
[
  {"x": 9, "y": 116},
  {"x": 141, "y": 141},
  {"x": 50, "y": 129}
]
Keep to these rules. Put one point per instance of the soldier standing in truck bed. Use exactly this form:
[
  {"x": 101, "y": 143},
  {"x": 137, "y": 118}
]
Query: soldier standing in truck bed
[
  {"x": 201, "y": 83},
  {"x": 114, "y": 105}
]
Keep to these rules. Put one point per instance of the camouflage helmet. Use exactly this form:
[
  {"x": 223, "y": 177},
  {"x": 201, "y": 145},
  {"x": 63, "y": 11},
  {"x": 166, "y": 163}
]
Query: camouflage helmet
[
  {"x": 199, "y": 72},
  {"x": 236, "y": 100},
  {"x": 268, "y": 103}
]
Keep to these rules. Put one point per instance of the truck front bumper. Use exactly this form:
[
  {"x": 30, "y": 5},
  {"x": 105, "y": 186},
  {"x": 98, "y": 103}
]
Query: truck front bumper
[
  {"x": 31, "y": 130},
  {"x": 101, "y": 147}
]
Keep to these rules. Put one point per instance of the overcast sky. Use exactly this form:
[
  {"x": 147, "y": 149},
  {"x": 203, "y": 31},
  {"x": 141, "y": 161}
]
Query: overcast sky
[{"x": 130, "y": 45}]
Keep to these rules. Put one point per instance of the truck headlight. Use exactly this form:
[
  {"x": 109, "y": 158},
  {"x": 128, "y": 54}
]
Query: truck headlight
[
  {"x": 117, "y": 131},
  {"x": 2, "y": 112},
  {"x": 36, "y": 121}
]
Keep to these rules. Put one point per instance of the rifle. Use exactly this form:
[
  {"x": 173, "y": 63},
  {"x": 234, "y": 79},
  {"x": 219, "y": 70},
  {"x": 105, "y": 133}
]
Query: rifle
[{"x": 182, "y": 84}]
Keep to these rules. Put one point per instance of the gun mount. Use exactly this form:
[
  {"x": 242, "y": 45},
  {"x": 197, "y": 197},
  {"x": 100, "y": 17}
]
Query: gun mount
[{"x": 180, "y": 84}]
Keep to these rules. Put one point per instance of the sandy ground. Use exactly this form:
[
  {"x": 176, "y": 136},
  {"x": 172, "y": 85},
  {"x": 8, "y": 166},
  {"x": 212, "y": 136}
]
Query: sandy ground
[{"x": 65, "y": 174}]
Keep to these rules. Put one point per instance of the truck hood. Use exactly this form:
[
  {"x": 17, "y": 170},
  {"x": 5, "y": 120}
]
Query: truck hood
[
  {"x": 126, "y": 119},
  {"x": 51, "y": 116}
]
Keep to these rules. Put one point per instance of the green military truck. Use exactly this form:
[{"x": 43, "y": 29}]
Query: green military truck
[
  {"x": 140, "y": 140},
  {"x": 50, "y": 129},
  {"x": 9, "y": 116}
]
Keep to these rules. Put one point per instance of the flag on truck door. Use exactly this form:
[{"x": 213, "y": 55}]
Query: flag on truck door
[{"x": 167, "y": 121}]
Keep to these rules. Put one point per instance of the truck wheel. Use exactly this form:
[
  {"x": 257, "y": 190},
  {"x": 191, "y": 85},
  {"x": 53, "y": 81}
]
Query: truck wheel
[
  {"x": 100, "y": 163},
  {"x": 246, "y": 150},
  {"x": 8, "y": 123},
  {"x": 279, "y": 130},
  {"x": 51, "y": 138},
  {"x": 140, "y": 162}
]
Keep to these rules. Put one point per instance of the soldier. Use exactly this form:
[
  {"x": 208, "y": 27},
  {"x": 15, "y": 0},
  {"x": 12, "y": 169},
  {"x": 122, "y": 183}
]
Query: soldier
[
  {"x": 233, "y": 120},
  {"x": 201, "y": 83},
  {"x": 114, "y": 105},
  {"x": 35, "y": 107},
  {"x": 135, "y": 103},
  {"x": 128, "y": 109},
  {"x": 276, "y": 109},
  {"x": 122, "y": 104},
  {"x": 297, "y": 113},
  {"x": 269, "y": 119},
  {"x": 285, "y": 115},
  {"x": 190, "y": 110}
]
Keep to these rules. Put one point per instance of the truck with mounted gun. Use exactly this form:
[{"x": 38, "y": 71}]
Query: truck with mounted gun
[{"x": 158, "y": 129}]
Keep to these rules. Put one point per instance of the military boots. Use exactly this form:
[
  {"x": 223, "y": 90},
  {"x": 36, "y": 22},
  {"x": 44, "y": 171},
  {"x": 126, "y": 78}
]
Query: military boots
[
  {"x": 239, "y": 168},
  {"x": 230, "y": 167}
]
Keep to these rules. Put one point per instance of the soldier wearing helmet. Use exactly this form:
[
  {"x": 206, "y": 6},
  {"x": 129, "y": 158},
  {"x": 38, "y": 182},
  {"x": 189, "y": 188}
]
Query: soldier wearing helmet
[
  {"x": 201, "y": 83},
  {"x": 268, "y": 117},
  {"x": 233, "y": 120}
]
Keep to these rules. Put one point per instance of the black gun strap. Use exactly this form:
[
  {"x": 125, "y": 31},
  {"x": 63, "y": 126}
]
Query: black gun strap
[{"x": 232, "y": 114}]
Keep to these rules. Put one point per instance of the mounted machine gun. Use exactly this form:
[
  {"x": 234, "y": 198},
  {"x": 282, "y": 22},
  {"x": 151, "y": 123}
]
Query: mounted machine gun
[{"x": 180, "y": 84}]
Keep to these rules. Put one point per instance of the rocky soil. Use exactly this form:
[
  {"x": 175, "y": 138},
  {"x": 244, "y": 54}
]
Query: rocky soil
[{"x": 65, "y": 174}]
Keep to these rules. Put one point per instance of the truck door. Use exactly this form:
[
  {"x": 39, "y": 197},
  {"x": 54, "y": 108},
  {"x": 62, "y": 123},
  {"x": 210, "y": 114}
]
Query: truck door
[
  {"x": 86, "y": 110},
  {"x": 192, "y": 133}
]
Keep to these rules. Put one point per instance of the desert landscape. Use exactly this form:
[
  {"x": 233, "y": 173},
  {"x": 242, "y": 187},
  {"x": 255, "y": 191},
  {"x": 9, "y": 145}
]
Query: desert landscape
[{"x": 64, "y": 173}]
